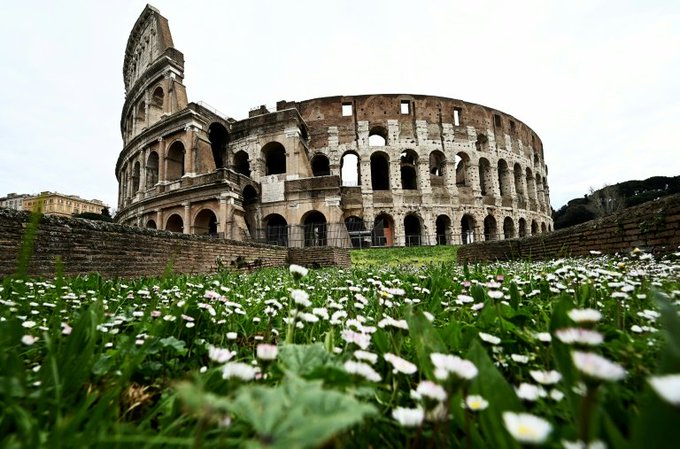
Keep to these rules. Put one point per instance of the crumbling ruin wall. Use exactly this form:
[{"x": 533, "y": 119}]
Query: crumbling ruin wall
[{"x": 653, "y": 226}]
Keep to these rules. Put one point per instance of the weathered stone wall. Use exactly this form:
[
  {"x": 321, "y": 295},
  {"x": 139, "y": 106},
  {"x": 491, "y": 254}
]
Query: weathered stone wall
[
  {"x": 652, "y": 226},
  {"x": 320, "y": 256},
  {"x": 114, "y": 250}
]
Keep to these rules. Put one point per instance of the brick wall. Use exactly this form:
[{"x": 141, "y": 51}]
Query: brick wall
[
  {"x": 115, "y": 250},
  {"x": 320, "y": 256},
  {"x": 652, "y": 226}
]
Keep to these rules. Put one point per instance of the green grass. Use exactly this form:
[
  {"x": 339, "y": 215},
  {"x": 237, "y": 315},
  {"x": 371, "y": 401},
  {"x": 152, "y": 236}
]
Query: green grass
[{"x": 396, "y": 256}]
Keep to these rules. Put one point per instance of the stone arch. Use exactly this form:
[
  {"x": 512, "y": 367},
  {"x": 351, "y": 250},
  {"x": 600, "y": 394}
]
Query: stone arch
[
  {"x": 531, "y": 185},
  {"x": 315, "y": 228},
  {"x": 467, "y": 229},
  {"x": 274, "y": 154},
  {"x": 413, "y": 230},
  {"x": 141, "y": 115},
  {"x": 380, "y": 171},
  {"x": 490, "y": 228},
  {"x": 408, "y": 163},
  {"x": 174, "y": 223},
  {"x": 485, "y": 183},
  {"x": 136, "y": 174},
  {"x": 156, "y": 104},
  {"x": 250, "y": 200},
  {"x": 241, "y": 163},
  {"x": 218, "y": 137},
  {"x": 320, "y": 165},
  {"x": 508, "y": 228},
  {"x": 357, "y": 231},
  {"x": 482, "y": 143},
  {"x": 463, "y": 169},
  {"x": 151, "y": 170},
  {"x": 383, "y": 230},
  {"x": 276, "y": 229},
  {"x": 150, "y": 224},
  {"x": 504, "y": 179},
  {"x": 174, "y": 161},
  {"x": 517, "y": 169},
  {"x": 205, "y": 223},
  {"x": 544, "y": 228},
  {"x": 443, "y": 229},
  {"x": 350, "y": 169},
  {"x": 534, "y": 227},
  {"x": 522, "y": 227},
  {"x": 377, "y": 136},
  {"x": 250, "y": 195},
  {"x": 437, "y": 163}
]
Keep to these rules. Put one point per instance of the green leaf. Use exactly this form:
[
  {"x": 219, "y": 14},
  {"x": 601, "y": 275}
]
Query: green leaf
[
  {"x": 425, "y": 338},
  {"x": 304, "y": 359},
  {"x": 491, "y": 384},
  {"x": 178, "y": 345},
  {"x": 297, "y": 413}
]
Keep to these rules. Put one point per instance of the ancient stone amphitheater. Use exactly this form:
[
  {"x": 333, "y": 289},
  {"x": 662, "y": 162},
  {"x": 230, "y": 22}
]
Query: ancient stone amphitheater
[{"x": 363, "y": 170}]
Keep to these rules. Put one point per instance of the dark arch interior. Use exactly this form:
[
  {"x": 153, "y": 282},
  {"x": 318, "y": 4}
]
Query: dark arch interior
[
  {"x": 241, "y": 164},
  {"x": 443, "y": 228},
  {"x": 412, "y": 230},
  {"x": 152, "y": 170},
  {"x": 277, "y": 230},
  {"x": 151, "y": 224},
  {"x": 175, "y": 161},
  {"x": 489, "y": 228},
  {"x": 380, "y": 172},
  {"x": 467, "y": 226},
  {"x": 315, "y": 229},
  {"x": 249, "y": 195},
  {"x": 175, "y": 224},
  {"x": 218, "y": 136},
  {"x": 205, "y": 223},
  {"x": 357, "y": 231},
  {"x": 275, "y": 158},
  {"x": 508, "y": 228},
  {"x": 320, "y": 165},
  {"x": 383, "y": 230}
]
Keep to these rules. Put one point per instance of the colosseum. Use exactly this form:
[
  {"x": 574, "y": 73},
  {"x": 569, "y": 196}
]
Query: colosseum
[{"x": 362, "y": 170}]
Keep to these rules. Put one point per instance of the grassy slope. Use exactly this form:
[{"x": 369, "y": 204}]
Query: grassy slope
[{"x": 417, "y": 255}]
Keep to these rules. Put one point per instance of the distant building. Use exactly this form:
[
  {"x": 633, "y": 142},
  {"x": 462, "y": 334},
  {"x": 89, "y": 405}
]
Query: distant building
[
  {"x": 54, "y": 203},
  {"x": 13, "y": 201}
]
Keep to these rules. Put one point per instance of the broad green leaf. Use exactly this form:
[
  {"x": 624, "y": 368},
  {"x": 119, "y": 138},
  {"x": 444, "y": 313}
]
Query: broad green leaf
[
  {"x": 304, "y": 359},
  {"x": 425, "y": 339}
]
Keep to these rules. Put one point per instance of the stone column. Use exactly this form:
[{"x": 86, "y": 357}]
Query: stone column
[{"x": 187, "y": 217}]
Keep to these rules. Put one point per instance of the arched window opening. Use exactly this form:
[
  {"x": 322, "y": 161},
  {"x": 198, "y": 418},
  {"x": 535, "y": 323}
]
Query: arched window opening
[
  {"x": 358, "y": 234},
  {"x": 462, "y": 166},
  {"x": 320, "y": 165},
  {"x": 485, "y": 183},
  {"x": 517, "y": 169},
  {"x": 490, "y": 231},
  {"x": 152, "y": 170},
  {"x": 544, "y": 228},
  {"x": 175, "y": 161},
  {"x": 482, "y": 142},
  {"x": 349, "y": 170},
  {"x": 443, "y": 226},
  {"x": 380, "y": 171},
  {"x": 522, "y": 228},
  {"x": 504, "y": 179},
  {"x": 437, "y": 163},
  {"x": 250, "y": 196},
  {"x": 537, "y": 160},
  {"x": 408, "y": 165},
  {"x": 315, "y": 229},
  {"x": 218, "y": 136},
  {"x": 157, "y": 97},
  {"x": 241, "y": 164},
  {"x": 174, "y": 224},
  {"x": 151, "y": 224},
  {"x": 534, "y": 227},
  {"x": 412, "y": 230},
  {"x": 531, "y": 184},
  {"x": 377, "y": 137},
  {"x": 508, "y": 228},
  {"x": 275, "y": 158},
  {"x": 277, "y": 230},
  {"x": 136, "y": 173},
  {"x": 383, "y": 230},
  {"x": 467, "y": 228},
  {"x": 141, "y": 114},
  {"x": 205, "y": 223}
]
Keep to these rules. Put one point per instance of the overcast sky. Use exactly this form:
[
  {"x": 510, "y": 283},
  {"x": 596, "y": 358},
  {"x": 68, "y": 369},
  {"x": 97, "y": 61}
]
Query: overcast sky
[{"x": 598, "y": 81}]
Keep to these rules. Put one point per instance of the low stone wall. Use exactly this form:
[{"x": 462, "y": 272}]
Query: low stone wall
[
  {"x": 320, "y": 256},
  {"x": 114, "y": 250},
  {"x": 652, "y": 226}
]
